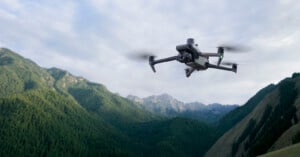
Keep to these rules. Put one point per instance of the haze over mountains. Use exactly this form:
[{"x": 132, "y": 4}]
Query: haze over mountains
[
  {"x": 166, "y": 105},
  {"x": 50, "y": 112}
]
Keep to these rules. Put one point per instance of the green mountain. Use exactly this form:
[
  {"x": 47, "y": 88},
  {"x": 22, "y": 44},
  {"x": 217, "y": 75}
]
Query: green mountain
[
  {"x": 270, "y": 124},
  {"x": 96, "y": 99},
  {"x": 19, "y": 74},
  {"x": 235, "y": 116},
  {"x": 50, "y": 112}
]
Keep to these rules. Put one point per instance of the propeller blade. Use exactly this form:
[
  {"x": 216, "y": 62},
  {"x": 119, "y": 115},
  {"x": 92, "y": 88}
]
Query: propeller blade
[
  {"x": 234, "y": 48},
  {"x": 228, "y": 63},
  {"x": 140, "y": 55}
]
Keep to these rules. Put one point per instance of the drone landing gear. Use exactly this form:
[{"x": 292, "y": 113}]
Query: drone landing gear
[{"x": 189, "y": 71}]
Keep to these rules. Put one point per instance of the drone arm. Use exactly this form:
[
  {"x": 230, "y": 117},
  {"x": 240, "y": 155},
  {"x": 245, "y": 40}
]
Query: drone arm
[
  {"x": 210, "y": 54},
  {"x": 152, "y": 62},
  {"x": 165, "y": 60},
  {"x": 234, "y": 68},
  {"x": 220, "y": 54}
]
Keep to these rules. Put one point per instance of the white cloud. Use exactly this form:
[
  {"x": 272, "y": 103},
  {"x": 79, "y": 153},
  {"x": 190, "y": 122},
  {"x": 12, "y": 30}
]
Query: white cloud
[{"x": 11, "y": 5}]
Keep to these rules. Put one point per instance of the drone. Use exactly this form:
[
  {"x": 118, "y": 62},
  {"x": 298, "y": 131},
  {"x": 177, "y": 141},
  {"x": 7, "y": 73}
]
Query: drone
[{"x": 190, "y": 55}]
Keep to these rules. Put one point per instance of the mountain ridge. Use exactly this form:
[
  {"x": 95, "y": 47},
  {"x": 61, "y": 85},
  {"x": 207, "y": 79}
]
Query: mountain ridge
[
  {"x": 168, "y": 106},
  {"x": 268, "y": 126},
  {"x": 50, "y": 112}
]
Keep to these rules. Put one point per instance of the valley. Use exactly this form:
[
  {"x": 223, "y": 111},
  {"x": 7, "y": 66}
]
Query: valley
[{"x": 50, "y": 112}]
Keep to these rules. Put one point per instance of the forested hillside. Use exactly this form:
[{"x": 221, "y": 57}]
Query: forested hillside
[
  {"x": 272, "y": 124},
  {"x": 50, "y": 112}
]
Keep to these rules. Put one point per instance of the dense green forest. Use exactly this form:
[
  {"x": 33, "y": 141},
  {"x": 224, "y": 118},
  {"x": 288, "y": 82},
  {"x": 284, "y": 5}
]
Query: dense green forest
[{"x": 49, "y": 112}]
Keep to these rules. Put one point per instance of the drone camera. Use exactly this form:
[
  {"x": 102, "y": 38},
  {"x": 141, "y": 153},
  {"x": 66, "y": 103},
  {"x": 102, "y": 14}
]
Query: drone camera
[
  {"x": 182, "y": 48},
  {"x": 190, "y": 41}
]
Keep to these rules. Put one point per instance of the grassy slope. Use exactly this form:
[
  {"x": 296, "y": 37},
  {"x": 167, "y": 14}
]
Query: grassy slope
[
  {"x": 291, "y": 151},
  {"x": 236, "y": 115},
  {"x": 292, "y": 135}
]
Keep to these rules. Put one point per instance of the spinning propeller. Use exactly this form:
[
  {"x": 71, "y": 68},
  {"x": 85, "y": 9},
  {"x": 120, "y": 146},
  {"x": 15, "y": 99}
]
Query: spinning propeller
[
  {"x": 230, "y": 49},
  {"x": 141, "y": 55},
  {"x": 228, "y": 63},
  {"x": 234, "y": 48}
]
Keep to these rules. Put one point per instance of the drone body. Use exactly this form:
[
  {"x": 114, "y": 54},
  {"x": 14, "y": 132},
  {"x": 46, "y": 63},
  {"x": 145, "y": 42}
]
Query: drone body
[{"x": 190, "y": 55}]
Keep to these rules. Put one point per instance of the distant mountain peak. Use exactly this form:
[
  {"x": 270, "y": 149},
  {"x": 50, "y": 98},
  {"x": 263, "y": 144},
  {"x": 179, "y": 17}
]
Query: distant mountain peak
[
  {"x": 162, "y": 96},
  {"x": 165, "y": 95},
  {"x": 165, "y": 98},
  {"x": 64, "y": 76},
  {"x": 135, "y": 98},
  {"x": 164, "y": 104}
]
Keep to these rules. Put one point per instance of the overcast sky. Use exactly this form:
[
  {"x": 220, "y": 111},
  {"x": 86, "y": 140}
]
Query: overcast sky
[{"x": 92, "y": 38}]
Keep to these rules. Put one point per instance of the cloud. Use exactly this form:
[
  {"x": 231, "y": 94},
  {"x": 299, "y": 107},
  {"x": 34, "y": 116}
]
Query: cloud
[{"x": 93, "y": 39}]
